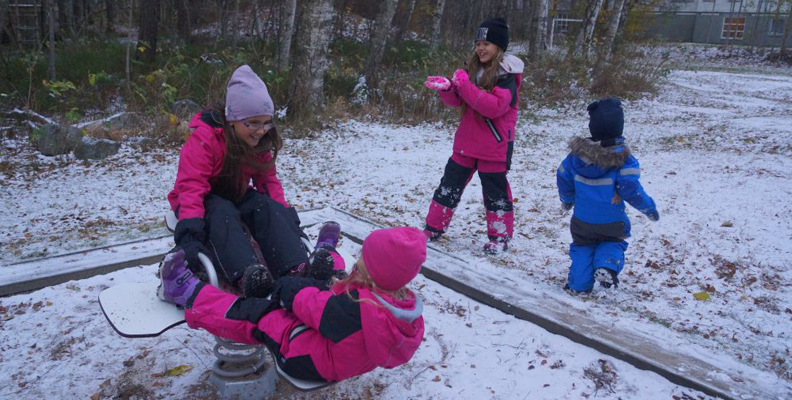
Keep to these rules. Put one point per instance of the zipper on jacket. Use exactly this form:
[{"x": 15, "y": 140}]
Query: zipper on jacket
[{"x": 494, "y": 131}]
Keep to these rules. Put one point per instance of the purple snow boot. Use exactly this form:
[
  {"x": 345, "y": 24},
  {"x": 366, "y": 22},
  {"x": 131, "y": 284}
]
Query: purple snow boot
[
  {"x": 177, "y": 282},
  {"x": 328, "y": 235}
]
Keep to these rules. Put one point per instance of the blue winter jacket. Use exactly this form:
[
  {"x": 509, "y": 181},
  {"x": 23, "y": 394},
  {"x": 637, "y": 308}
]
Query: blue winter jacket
[{"x": 598, "y": 180}]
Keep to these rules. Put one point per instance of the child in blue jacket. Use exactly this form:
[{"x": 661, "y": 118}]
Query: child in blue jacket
[{"x": 596, "y": 178}]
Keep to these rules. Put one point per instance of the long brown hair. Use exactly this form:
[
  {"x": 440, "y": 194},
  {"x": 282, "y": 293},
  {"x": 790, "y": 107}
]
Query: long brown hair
[
  {"x": 490, "y": 76},
  {"x": 229, "y": 183},
  {"x": 361, "y": 277}
]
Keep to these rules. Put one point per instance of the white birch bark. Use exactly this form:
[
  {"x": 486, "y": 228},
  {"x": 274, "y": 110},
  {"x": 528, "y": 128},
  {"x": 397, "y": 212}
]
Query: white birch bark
[
  {"x": 314, "y": 34},
  {"x": 436, "y": 20},
  {"x": 586, "y": 34},
  {"x": 613, "y": 27},
  {"x": 540, "y": 43},
  {"x": 379, "y": 40},
  {"x": 284, "y": 47}
]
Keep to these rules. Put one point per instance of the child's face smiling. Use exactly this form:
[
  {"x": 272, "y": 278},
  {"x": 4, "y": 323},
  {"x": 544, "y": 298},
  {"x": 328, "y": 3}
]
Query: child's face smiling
[
  {"x": 252, "y": 129},
  {"x": 485, "y": 50}
]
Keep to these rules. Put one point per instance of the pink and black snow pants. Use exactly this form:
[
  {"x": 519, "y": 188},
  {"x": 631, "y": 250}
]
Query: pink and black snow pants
[{"x": 495, "y": 187}]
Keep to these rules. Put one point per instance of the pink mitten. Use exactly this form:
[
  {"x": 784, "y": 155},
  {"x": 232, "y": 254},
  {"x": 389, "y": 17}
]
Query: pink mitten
[
  {"x": 460, "y": 76},
  {"x": 437, "y": 83}
]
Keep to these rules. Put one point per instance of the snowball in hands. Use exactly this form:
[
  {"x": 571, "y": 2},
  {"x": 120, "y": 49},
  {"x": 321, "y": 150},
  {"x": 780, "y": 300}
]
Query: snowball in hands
[{"x": 437, "y": 83}]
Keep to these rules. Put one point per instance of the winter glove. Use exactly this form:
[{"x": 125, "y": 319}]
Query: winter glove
[
  {"x": 653, "y": 216},
  {"x": 286, "y": 289},
  {"x": 190, "y": 236},
  {"x": 460, "y": 78},
  {"x": 567, "y": 206},
  {"x": 438, "y": 83}
]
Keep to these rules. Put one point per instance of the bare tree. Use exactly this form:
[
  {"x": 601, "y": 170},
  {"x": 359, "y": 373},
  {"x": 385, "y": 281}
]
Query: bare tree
[
  {"x": 284, "y": 47},
  {"x": 235, "y": 27},
  {"x": 110, "y": 15},
  {"x": 540, "y": 36},
  {"x": 436, "y": 19},
  {"x": 50, "y": 8},
  {"x": 379, "y": 40},
  {"x": 614, "y": 18},
  {"x": 314, "y": 34},
  {"x": 406, "y": 23},
  {"x": 586, "y": 34},
  {"x": 183, "y": 24},
  {"x": 149, "y": 28},
  {"x": 3, "y": 14}
]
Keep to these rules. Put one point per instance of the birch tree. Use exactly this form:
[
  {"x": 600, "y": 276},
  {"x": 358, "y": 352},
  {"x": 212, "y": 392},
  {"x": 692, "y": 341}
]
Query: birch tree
[
  {"x": 614, "y": 19},
  {"x": 406, "y": 24},
  {"x": 436, "y": 20},
  {"x": 586, "y": 34},
  {"x": 284, "y": 47},
  {"x": 314, "y": 34},
  {"x": 379, "y": 40},
  {"x": 540, "y": 36}
]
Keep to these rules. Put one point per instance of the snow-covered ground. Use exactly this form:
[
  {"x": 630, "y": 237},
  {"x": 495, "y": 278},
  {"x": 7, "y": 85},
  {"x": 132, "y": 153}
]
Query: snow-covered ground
[
  {"x": 715, "y": 152},
  {"x": 57, "y": 345}
]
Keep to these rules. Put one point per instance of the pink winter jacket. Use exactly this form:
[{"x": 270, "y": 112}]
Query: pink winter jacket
[
  {"x": 342, "y": 337},
  {"x": 201, "y": 161},
  {"x": 488, "y": 124}
]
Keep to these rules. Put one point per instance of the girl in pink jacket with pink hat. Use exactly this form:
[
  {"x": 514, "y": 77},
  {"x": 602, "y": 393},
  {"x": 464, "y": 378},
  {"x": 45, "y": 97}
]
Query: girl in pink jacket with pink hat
[
  {"x": 316, "y": 329},
  {"x": 227, "y": 182},
  {"x": 487, "y": 93}
]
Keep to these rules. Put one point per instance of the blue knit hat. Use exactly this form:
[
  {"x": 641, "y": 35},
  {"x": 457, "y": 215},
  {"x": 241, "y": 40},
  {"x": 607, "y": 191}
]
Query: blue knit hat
[{"x": 606, "y": 121}]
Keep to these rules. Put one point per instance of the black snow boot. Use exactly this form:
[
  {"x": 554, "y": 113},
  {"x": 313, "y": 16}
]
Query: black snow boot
[{"x": 606, "y": 277}]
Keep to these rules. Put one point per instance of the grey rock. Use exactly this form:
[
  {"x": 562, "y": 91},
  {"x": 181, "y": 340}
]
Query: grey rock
[
  {"x": 96, "y": 149},
  {"x": 53, "y": 139},
  {"x": 125, "y": 121},
  {"x": 185, "y": 109}
]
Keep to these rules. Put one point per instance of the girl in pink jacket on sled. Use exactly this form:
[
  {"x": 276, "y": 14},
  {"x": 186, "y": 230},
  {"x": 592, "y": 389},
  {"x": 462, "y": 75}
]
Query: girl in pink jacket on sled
[{"x": 319, "y": 330}]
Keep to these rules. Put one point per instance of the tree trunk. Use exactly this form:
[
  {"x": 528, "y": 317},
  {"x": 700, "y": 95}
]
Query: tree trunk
[
  {"x": 149, "y": 26},
  {"x": 436, "y": 20},
  {"x": 235, "y": 28},
  {"x": 314, "y": 34},
  {"x": 586, "y": 34},
  {"x": 284, "y": 47},
  {"x": 127, "y": 68},
  {"x": 787, "y": 28},
  {"x": 110, "y": 15},
  {"x": 406, "y": 24},
  {"x": 183, "y": 25},
  {"x": 379, "y": 41},
  {"x": 540, "y": 38},
  {"x": 50, "y": 7},
  {"x": 613, "y": 27},
  {"x": 3, "y": 14}
]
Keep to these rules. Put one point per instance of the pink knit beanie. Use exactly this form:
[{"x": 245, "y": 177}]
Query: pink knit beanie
[
  {"x": 394, "y": 256},
  {"x": 247, "y": 96}
]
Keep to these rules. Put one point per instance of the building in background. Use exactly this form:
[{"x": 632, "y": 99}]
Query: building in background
[{"x": 743, "y": 22}]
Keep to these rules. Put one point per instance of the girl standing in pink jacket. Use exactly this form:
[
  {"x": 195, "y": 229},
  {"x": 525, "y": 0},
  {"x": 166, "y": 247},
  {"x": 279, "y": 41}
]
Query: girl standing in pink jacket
[
  {"x": 227, "y": 177},
  {"x": 487, "y": 94},
  {"x": 315, "y": 331}
]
